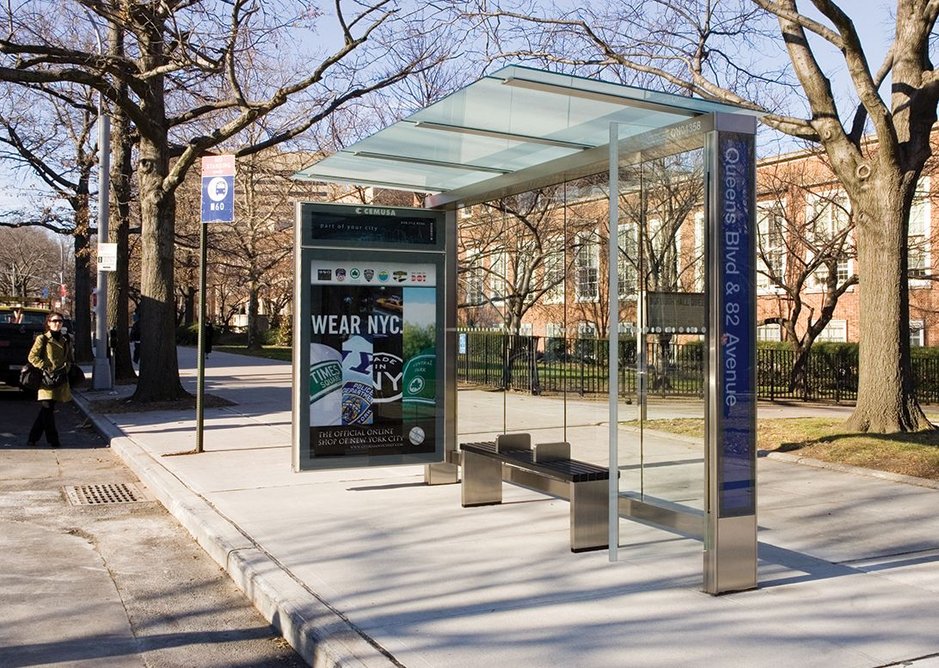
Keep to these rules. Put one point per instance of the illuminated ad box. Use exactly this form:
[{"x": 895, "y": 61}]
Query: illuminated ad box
[{"x": 368, "y": 384}]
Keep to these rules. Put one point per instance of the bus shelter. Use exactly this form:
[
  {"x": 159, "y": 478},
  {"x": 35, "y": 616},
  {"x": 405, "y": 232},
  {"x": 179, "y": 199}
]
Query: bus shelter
[{"x": 631, "y": 213}]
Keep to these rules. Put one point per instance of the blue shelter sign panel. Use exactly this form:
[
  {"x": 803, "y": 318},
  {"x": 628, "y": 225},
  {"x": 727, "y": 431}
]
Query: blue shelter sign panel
[
  {"x": 736, "y": 326},
  {"x": 369, "y": 390}
]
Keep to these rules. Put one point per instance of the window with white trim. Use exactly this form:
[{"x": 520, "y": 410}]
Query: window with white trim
[
  {"x": 586, "y": 330},
  {"x": 554, "y": 330},
  {"x": 497, "y": 277},
  {"x": 554, "y": 275},
  {"x": 663, "y": 239},
  {"x": 771, "y": 250},
  {"x": 475, "y": 280},
  {"x": 627, "y": 259},
  {"x": 770, "y": 332},
  {"x": 626, "y": 328},
  {"x": 525, "y": 329},
  {"x": 917, "y": 334},
  {"x": 919, "y": 256},
  {"x": 835, "y": 330},
  {"x": 700, "y": 270},
  {"x": 586, "y": 267},
  {"x": 827, "y": 215}
]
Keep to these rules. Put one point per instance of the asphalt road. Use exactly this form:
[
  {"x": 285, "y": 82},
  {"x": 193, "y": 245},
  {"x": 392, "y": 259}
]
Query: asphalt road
[{"x": 107, "y": 584}]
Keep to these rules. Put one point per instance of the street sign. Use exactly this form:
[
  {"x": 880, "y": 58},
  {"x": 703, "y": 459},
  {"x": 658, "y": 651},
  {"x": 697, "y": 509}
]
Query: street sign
[
  {"x": 107, "y": 257},
  {"x": 218, "y": 189}
]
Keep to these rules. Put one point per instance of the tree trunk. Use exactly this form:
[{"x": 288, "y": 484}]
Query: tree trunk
[
  {"x": 798, "y": 379},
  {"x": 119, "y": 229},
  {"x": 254, "y": 333},
  {"x": 886, "y": 403},
  {"x": 81, "y": 295},
  {"x": 159, "y": 367}
]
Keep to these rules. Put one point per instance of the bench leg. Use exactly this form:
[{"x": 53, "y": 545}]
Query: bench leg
[
  {"x": 482, "y": 480},
  {"x": 590, "y": 503}
]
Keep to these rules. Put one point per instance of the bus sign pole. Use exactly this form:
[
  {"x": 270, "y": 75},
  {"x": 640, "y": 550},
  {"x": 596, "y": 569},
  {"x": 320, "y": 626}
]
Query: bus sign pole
[{"x": 218, "y": 206}]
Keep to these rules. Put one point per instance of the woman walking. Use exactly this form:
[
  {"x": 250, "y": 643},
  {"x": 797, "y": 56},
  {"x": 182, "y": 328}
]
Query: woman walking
[{"x": 51, "y": 351}]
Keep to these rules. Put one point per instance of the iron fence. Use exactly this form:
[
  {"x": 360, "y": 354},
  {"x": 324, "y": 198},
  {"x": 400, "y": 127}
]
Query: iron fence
[{"x": 550, "y": 365}]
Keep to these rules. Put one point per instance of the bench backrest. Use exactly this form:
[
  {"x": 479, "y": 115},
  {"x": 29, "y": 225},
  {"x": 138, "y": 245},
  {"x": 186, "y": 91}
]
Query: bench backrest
[
  {"x": 545, "y": 452},
  {"x": 520, "y": 441}
]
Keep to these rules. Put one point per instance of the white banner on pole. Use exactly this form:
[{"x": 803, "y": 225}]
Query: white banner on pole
[{"x": 107, "y": 257}]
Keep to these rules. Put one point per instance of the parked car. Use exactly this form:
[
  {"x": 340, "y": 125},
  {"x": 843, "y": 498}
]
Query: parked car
[{"x": 19, "y": 326}]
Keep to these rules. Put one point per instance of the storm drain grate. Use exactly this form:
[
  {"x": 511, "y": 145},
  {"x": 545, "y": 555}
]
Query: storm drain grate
[{"x": 94, "y": 495}]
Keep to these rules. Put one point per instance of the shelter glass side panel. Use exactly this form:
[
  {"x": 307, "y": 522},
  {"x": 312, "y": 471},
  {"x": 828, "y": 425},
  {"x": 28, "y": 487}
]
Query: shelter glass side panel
[{"x": 661, "y": 235}]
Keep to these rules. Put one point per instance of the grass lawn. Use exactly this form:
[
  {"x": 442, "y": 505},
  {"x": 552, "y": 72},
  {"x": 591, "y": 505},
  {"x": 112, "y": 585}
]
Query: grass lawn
[
  {"x": 283, "y": 353},
  {"x": 826, "y": 440}
]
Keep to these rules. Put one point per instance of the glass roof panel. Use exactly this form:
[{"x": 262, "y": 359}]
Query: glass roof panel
[{"x": 510, "y": 120}]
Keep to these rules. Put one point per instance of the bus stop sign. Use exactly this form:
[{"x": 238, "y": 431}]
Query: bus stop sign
[{"x": 218, "y": 189}]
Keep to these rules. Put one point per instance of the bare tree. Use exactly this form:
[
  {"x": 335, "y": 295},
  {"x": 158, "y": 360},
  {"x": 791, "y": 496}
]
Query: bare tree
[
  {"x": 26, "y": 256},
  {"x": 877, "y": 145},
  {"x": 188, "y": 72},
  {"x": 261, "y": 238},
  {"x": 48, "y": 131},
  {"x": 509, "y": 250},
  {"x": 805, "y": 252}
]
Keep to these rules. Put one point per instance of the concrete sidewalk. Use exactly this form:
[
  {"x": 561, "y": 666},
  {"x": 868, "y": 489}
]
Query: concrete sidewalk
[{"x": 371, "y": 567}]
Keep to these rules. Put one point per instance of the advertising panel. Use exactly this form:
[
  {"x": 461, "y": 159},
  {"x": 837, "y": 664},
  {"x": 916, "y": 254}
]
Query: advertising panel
[
  {"x": 369, "y": 371},
  {"x": 372, "y": 358}
]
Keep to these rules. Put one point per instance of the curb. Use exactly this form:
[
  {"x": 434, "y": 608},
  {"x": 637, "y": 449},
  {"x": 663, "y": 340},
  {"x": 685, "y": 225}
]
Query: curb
[{"x": 320, "y": 634}]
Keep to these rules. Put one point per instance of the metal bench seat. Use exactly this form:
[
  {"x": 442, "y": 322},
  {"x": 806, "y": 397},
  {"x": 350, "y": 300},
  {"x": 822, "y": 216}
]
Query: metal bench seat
[{"x": 546, "y": 468}]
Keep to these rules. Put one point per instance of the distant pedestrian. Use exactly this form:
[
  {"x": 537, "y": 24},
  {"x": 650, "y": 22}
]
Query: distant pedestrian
[
  {"x": 51, "y": 351},
  {"x": 209, "y": 335},
  {"x": 135, "y": 337}
]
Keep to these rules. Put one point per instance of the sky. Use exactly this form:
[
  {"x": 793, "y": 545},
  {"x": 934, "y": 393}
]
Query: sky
[{"x": 872, "y": 18}]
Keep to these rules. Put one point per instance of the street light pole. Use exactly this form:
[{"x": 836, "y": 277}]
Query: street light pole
[{"x": 101, "y": 374}]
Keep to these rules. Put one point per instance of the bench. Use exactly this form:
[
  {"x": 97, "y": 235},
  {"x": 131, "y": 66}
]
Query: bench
[{"x": 547, "y": 468}]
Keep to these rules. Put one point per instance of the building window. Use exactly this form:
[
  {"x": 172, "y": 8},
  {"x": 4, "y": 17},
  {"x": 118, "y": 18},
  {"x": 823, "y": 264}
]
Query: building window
[
  {"x": 700, "y": 270},
  {"x": 554, "y": 330},
  {"x": 475, "y": 281},
  {"x": 662, "y": 265},
  {"x": 525, "y": 329},
  {"x": 771, "y": 332},
  {"x": 466, "y": 212},
  {"x": 835, "y": 330},
  {"x": 626, "y": 328},
  {"x": 627, "y": 259},
  {"x": 771, "y": 250},
  {"x": 919, "y": 256},
  {"x": 917, "y": 334},
  {"x": 586, "y": 267},
  {"x": 586, "y": 330},
  {"x": 498, "y": 277},
  {"x": 554, "y": 278},
  {"x": 827, "y": 217}
]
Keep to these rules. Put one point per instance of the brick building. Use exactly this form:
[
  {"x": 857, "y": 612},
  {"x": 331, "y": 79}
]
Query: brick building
[{"x": 537, "y": 265}]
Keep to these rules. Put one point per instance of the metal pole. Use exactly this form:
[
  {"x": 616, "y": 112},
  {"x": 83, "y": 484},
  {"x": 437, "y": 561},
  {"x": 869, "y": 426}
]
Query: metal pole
[
  {"x": 613, "y": 341},
  {"x": 200, "y": 387},
  {"x": 101, "y": 372}
]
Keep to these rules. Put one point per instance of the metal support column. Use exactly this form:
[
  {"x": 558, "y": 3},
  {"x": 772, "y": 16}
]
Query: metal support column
[
  {"x": 446, "y": 472},
  {"x": 730, "y": 546}
]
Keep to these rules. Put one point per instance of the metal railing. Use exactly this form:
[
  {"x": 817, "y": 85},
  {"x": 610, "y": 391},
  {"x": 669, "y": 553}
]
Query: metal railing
[{"x": 551, "y": 365}]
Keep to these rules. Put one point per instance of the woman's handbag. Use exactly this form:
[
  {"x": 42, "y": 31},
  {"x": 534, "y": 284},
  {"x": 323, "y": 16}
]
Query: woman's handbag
[
  {"x": 30, "y": 377},
  {"x": 52, "y": 379},
  {"x": 76, "y": 376}
]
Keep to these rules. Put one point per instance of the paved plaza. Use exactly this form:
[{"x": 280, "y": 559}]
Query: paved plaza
[{"x": 371, "y": 567}]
